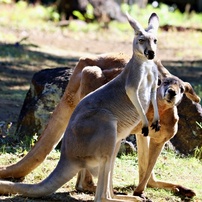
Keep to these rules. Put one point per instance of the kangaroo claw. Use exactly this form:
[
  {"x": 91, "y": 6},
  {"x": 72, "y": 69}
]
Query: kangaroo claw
[
  {"x": 184, "y": 191},
  {"x": 141, "y": 195},
  {"x": 156, "y": 126},
  {"x": 145, "y": 131}
]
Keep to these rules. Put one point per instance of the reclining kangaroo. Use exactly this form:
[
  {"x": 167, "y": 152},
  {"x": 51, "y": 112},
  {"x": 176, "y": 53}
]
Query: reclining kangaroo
[{"x": 102, "y": 119}]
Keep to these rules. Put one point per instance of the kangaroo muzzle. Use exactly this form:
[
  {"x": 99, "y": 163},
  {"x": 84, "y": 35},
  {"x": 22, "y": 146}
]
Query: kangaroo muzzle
[{"x": 149, "y": 54}]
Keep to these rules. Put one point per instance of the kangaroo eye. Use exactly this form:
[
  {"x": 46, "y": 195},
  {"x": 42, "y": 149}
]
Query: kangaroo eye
[
  {"x": 165, "y": 83},
  {"x": 141, "y": 40},
  {"x": 155, "y": 41},
  {"x": 181, "y": 89}
]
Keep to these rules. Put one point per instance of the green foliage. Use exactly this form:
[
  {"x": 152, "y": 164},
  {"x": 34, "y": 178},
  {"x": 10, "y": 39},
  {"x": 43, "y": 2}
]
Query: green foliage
[
  {"x": 52, "y": 14},
  {"x": 25, "y": 15},
  {"x": 198, "y": 90},
  {"x": 29, "y": 16},
  {"x": 87, "y": 16},
  {"x": 6, "y": 1},
  {"x": 89, "y": 12},
  {"x": 79, "y": 15},
  {"x": 166, "y": 16},
  {"x": 199, "y": 124},
  {"x": 198, "y": 153},
  {"x": 9, "y": 143},
  {"x": 198, "y": 150}
]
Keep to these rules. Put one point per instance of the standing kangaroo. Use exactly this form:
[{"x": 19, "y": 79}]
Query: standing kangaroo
[{"x": 102, "y": 119}]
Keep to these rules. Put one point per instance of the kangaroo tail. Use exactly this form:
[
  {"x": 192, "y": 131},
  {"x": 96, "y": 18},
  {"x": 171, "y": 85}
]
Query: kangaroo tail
[
  {"x": 48, "y": 140},
  {"x": 61, "y": 174}
]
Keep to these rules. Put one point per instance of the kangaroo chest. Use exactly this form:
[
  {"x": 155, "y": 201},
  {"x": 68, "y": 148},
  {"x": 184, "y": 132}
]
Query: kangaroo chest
[{"x": 140, "y": 82}]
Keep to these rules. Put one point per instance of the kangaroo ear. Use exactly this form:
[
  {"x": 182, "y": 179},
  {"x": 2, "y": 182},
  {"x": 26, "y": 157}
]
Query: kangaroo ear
[
  {"x": 189, "y": 92},
  {"x": 163, "y": 72},
  {"x": 134, "y": 24},
  {"x": 153, "y": 23}
]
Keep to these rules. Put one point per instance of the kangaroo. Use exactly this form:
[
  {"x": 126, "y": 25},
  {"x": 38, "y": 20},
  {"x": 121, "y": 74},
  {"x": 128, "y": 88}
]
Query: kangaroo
[
  {"x": 169, "y": 94},
  {"x": 109, "y": 113}
]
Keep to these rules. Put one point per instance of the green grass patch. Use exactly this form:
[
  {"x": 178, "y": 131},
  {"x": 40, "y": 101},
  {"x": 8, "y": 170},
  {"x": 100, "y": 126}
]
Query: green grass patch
[
  {"x": 198, "y": 89},
  {"x": 185, "y": 171}
]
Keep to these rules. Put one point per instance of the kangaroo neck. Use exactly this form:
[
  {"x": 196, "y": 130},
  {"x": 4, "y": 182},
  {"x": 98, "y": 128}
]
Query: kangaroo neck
[{"x": 136, "y": 62}]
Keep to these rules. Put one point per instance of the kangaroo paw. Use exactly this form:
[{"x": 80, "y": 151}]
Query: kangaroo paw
[
  {"x": 15, "y": 179},
  {"x": 156, "y": 125},
  {"x": 145, "y": 131},
  {"x": 184, "y": 191},
  {"x": 141, "y": 195}
]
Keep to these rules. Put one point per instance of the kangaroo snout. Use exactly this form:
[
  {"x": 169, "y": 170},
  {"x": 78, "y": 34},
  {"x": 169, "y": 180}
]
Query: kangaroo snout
[
  {"x": 149, "y": 54},
  {"x": 172, "y": 92}
]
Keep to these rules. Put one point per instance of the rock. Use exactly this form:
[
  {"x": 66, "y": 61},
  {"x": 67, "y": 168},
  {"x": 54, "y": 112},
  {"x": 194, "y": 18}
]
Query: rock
[
  {"x": 46, "y": 88},
  {"x": 189, "y": 135},
  {"x": 128, "y": 146},
  {"x": 103, "y": 11}
]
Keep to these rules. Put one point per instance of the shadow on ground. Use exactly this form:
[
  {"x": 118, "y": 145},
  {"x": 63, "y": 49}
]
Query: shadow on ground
[{"x": 18, "y": 64}]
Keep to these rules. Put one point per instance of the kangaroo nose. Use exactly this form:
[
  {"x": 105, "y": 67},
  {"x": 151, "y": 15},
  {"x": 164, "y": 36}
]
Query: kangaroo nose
[
  {"x": 150, "y": 54},
  {"x": 171, "y": 92}
]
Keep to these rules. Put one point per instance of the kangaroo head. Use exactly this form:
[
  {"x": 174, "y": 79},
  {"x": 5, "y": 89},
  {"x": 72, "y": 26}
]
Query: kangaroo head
[{"x": 145, "y": 41}]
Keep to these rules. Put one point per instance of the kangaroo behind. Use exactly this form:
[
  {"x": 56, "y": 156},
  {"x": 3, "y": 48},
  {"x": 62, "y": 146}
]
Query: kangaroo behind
[{"x": 102, "y": 119}]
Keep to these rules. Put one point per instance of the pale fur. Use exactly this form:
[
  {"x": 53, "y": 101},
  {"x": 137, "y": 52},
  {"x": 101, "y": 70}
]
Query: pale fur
[{"x": 109, "y": 113}]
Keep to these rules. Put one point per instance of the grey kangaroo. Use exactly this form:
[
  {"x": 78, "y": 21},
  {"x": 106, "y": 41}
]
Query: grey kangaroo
[{"x": 102, "y": 119}]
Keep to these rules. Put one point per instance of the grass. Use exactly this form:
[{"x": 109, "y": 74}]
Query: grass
[{"x": 170, "y": 167}]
